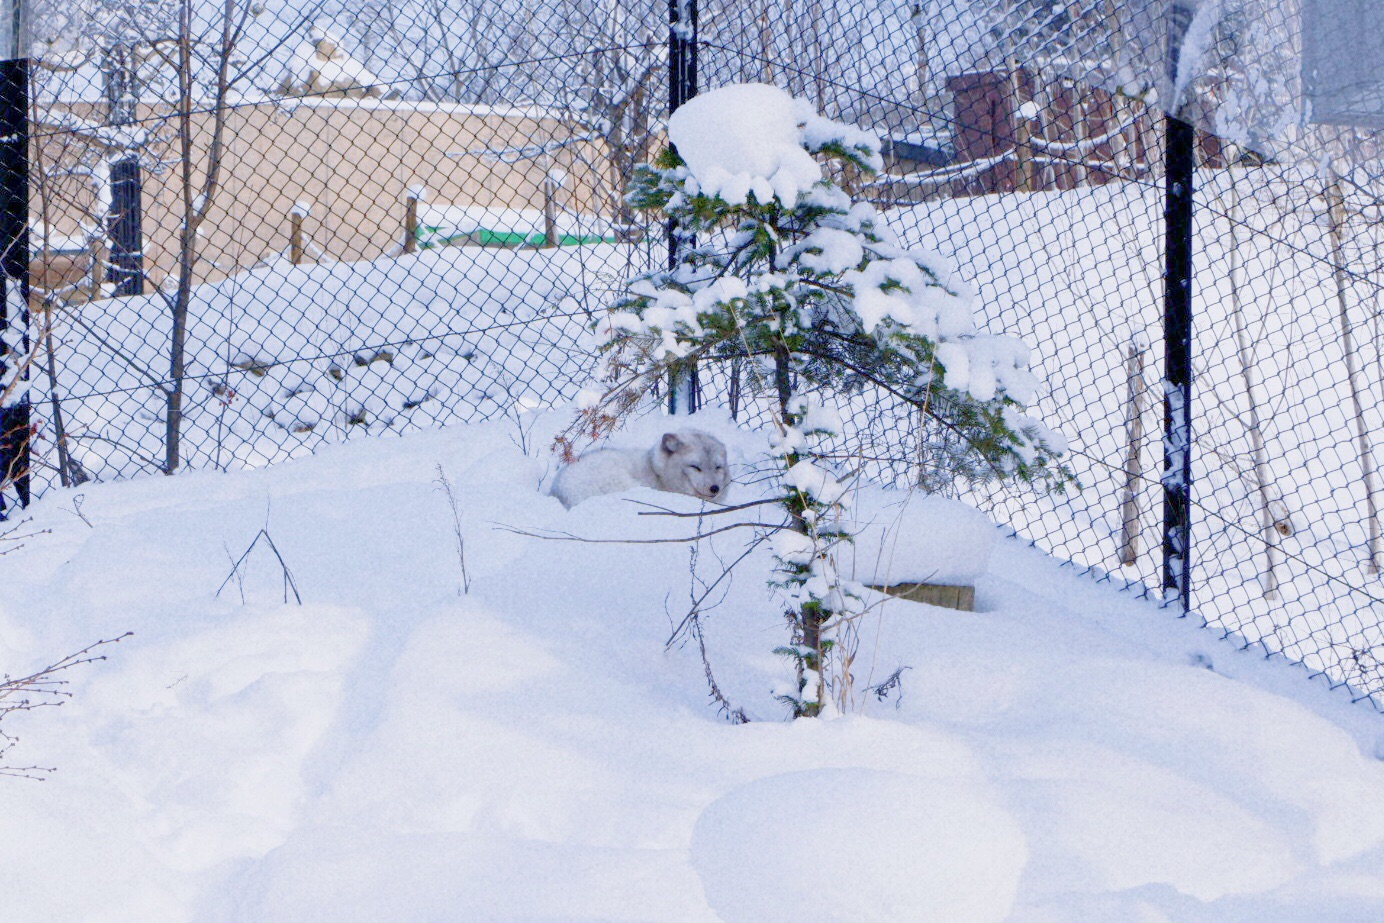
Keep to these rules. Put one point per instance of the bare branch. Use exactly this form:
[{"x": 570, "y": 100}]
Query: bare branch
[
  {"x": 656, "y": 510},
  {"x": 570, "y": 537},
  {"x": 41, "y": 689},
  {"x": 289, "y": 583},
  {"x": 696, "y": 609}
]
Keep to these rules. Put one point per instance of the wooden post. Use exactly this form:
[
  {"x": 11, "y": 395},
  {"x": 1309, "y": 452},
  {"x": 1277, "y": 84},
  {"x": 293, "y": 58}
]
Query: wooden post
[
  {"x": 1336, "y": 206},
  {"x": 683, "y": 18},
  {"x": 1082, "y": 130},
  {"x": 296, "y": 214},
  {"x": 550, "y": 186},
  {"x": 1134, "y": 435},
  {"x": 1023, "y": 148},
  {"x": 411, "y": 221},
  {"x": 96, "y": 253},
  {"x": 1179, "y": 177},
  {"x": 15, "y": 414},
  {"x": 295, "y": 237}
]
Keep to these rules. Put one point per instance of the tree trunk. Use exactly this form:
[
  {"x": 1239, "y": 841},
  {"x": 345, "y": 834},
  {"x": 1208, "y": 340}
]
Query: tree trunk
[
  {"x": 549, "y": 209},
  {"x": 173, "y": 421},
  {"x": 1256, "y": 433},
  {"x": 735, "y": 388},
  {"x": 782, "y": 380},
  {"x": 809, "y": 616},
  {"x": 920, "y": 64},
  {"x": 766, "y": 46},
  {"x": 195, "y": 205},
  {"x": 1337, "y": 210},
  {"x": 1134, "y": 472}
]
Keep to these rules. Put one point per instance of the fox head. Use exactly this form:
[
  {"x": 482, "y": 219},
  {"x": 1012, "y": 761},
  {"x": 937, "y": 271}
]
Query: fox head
[{"x": 692, "y": 462}]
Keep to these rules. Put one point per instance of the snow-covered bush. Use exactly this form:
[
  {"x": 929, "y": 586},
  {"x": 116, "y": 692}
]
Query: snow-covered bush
[{"x": 779, "y": 267}]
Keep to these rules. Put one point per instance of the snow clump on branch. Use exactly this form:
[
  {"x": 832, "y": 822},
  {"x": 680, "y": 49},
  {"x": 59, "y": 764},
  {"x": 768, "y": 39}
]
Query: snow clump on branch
[{"x": 755, "y": 138}]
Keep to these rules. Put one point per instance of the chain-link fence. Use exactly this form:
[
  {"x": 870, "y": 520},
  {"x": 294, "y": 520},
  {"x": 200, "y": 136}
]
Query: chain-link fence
[
  {"x": 318, "y": 224},
  {"x": 260, "y": 229}
]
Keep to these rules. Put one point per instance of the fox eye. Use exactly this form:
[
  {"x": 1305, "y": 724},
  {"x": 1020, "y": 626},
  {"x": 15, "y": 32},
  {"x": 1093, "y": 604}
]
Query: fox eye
[{"x": 695, "y": 467}]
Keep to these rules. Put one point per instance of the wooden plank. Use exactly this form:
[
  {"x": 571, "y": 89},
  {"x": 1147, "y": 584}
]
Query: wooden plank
[{"x": 934, "y": 594}]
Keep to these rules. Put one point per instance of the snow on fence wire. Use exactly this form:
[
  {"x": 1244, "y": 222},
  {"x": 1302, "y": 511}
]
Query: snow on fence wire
[{"x": 414, "y": 216}]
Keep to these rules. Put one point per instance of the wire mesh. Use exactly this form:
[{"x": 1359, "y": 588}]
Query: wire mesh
[{"x": 368, "y": 217}]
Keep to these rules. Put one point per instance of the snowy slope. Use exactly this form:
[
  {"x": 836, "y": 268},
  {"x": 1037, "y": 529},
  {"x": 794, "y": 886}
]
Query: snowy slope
[
  {"x": 1078, "y": 275},
  {"x": 321, "y": 354},
  {"x": 283, "y": 359},
  {"x": 393, "y": 749}
]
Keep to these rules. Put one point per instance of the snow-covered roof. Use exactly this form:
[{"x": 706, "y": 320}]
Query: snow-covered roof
[{"x": 319, "y": 66}]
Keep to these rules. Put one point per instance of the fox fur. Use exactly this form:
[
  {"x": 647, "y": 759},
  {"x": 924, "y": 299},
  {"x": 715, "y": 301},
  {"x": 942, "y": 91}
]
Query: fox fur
[{"x": 688, "y": 462}]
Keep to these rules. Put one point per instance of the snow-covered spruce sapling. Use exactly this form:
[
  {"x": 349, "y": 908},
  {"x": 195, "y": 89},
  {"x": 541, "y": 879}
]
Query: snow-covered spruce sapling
[{"x": 780, "y": 269}]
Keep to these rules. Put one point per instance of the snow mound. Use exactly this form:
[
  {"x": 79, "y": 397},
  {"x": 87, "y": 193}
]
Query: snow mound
[
  {"x": 913, "y": 537},
  {"x": 1106, "y": 821},
  {"x": 899, "y": 848},
  {"x": 754, "y": 138}
]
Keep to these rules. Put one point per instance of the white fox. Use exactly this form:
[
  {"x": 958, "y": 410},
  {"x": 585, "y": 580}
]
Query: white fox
[{"x": 686, "y": 462}]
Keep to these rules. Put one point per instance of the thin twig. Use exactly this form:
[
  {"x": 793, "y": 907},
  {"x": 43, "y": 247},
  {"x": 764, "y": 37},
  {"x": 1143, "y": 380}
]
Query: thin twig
[
  {"x": 569, "y": 537},
  {"x": 656, "y": 510},
  {"x": 9, "y": 535},
  {"x": 446, "y": 487},
  {"x": 695, "y": 611},
  {"x": 289, "y": 582},
  {"x": 46, "y": 685},
  {"x": 732, "y": 714}
]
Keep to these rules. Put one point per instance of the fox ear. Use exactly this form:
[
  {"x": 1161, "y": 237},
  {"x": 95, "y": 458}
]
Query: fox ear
[{"x": 671, "y": 443}]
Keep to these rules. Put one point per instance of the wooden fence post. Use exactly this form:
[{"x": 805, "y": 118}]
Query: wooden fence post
[
  {"x": 411, "y": 198},
  {"x": 1023, "y": 147},
  {"x": 295, "y": 232},
  {"x": 95, "y": 253},
  {"x": 551, "y": 183}
]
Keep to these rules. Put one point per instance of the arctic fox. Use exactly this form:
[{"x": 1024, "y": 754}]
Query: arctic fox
[{"x": 686, "y": 462}]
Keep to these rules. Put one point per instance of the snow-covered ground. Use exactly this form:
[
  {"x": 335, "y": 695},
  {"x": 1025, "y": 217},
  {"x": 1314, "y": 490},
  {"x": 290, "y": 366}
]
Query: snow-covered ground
[
  {"x": 395, "y": 749},
  {"x": 1077, "y": 274},
  {"x": 283, "y": 359},
  {"x": 288, "y": 359}
]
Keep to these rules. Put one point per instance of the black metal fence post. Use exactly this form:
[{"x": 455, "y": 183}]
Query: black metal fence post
[
  {"x": 124, "y": 228},
  {"x": 15, "y": 346},
  {"x": 124, "y": 223},
  {"x": 1180, "y": 161},
  {"x": 683, "y": 392}
]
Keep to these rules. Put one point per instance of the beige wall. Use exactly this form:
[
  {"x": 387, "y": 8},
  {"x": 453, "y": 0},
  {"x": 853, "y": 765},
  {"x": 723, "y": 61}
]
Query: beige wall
[{"x": 350, "y": 161}]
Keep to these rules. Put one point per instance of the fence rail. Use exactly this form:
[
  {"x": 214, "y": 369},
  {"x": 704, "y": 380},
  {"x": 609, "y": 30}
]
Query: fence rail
[{"x": 248, "y": 242}]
